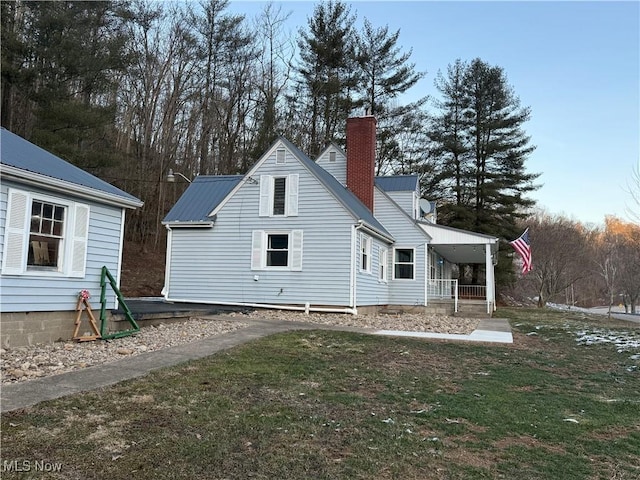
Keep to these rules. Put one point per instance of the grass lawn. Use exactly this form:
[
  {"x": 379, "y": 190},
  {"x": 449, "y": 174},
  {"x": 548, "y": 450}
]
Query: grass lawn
[{"x": 562, "y": 402}]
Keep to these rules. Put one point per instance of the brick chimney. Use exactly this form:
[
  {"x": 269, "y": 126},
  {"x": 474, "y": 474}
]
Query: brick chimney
[{"x": 361, "y": 157}]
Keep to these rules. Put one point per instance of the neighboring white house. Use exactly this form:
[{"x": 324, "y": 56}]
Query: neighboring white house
[
  {"x": 325, "y": 236},
  {"x": 59, "y": 225}
]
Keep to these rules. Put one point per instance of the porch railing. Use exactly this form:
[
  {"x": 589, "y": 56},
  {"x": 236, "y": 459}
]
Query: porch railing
[
  {"x": 443, "y": 289},
  {"x": 451, "y": 290},
  {"x": 472, "y": 292}
]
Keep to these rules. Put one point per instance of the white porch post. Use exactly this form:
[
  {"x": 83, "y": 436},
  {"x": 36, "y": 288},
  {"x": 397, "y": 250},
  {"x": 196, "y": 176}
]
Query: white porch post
[
  {"x": 490, "y": 278},
  {"x": 427, "y": 272}
]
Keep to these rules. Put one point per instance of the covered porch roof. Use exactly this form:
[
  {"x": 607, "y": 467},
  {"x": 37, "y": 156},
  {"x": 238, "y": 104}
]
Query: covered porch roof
[{"x": 459, "y": 246}]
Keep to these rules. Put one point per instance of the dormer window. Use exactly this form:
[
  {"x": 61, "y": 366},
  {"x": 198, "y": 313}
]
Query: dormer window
[
  {"x": 280, "y": 156},
  {"x": 332, "y": 156}
]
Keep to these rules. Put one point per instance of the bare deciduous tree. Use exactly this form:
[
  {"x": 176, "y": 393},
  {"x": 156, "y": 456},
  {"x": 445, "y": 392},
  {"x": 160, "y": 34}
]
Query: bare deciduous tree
[
  {"x": 620, "y": 241},
  {"x": 633, "y": 188},
  {"x": 275, "y": 66},
  {"x": 559, "y": 250}
]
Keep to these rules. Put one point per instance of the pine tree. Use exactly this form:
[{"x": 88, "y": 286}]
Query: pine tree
[
  {"x": 66, "y": 54},
  {"x": 448, "y": 133},
  {"x": 386, "y": 72},
  {"x": 483, "y": 149},
  {"x": 327, "y": 73}
]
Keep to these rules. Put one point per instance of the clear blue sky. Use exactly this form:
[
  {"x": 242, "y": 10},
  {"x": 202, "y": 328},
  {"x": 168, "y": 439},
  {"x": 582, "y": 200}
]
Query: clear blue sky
[{"x": 576, "y": 64}]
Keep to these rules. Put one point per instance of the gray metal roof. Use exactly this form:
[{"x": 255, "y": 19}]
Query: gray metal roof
[
  {"x": 203, "y": 195},
  {"x": 344, "y": 195},
  {"x": 398, "y": 183},
  {"x": 206, "y": 192},
  {"x": 17, "y": 152}
]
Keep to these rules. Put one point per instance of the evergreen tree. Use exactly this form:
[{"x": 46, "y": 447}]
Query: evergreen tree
[
  {"x": 66, "y": 54},
  {"x": 483, "y": 149},
  {"x": 499, "y": 148},
  {"x": 327, "y": 73},
  {"x": 451, "y": 183},
  {"x": 386, "y": 72}
]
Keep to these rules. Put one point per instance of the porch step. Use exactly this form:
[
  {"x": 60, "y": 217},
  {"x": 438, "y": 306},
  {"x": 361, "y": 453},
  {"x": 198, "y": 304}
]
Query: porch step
[{"x": 472, "y": 309}]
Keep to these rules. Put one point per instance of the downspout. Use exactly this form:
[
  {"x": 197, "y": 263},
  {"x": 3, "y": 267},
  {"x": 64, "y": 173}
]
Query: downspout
[
  {"x": 353, "y": 280},
  {"x": 167, "y": 264},
  {"x": 302, "y": 308},
  {"x": 120, "y": 254}
]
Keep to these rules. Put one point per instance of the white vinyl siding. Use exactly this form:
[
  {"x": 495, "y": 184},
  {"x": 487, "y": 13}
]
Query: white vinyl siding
[
  {"x": 218, "y": 264},
  {"x": 406, "y": 201},
  {"x": 72, "y": 244},
  {"x": 407, "y": 235},
  {"x": 97, "y": 244},
  {"x": 279, "y": 195},
  {"x": 370, "y": 290},
  {"x": 334, "y": 161}
]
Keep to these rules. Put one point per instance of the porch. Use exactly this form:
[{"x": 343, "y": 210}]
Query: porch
[{"x": 460, "y": 247}]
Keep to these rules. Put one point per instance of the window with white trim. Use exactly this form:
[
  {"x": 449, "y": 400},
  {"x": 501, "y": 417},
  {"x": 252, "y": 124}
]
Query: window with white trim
[
  {"x": 44, "y": 235},
  {"x": 279, "y": 195},
  {"x": 365, "y": 253},
  {"x": 403, "y": 263},
  {"x": 382, "y": 264},
  {"x": 276, "y": 250}
]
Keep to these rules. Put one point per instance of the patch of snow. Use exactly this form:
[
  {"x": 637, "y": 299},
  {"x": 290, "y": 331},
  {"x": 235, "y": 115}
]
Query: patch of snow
[{"x": 622, "y": 340}]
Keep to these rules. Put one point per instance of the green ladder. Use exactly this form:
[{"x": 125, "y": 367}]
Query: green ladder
[{"x": 103, "y": 310}]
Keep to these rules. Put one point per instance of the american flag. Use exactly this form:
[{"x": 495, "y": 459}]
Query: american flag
[{"x": 523, "y": 247}]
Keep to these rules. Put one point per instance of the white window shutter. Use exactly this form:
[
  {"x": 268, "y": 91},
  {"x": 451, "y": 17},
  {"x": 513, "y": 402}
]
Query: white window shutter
[
  {"x": 79, "y": 240},
  {"x": 296, "y": 250},
  {"x": 266, "y": 188},
  {"x": 16, "y": 233},
  {"x": 292, "y": 195},
  {"x": 257, "y": 250}
]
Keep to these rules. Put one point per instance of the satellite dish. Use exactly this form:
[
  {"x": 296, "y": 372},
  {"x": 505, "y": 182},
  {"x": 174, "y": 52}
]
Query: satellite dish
[{"x": 425, "y": 206}]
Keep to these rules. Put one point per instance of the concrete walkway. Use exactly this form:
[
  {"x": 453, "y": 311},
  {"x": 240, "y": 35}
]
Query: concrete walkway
[{"x": 25, "y": 394}]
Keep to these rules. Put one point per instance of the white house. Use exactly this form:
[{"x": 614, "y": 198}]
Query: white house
[
  {"x": 321, "y": 236},
  {"x": 59, "y": 225}
]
